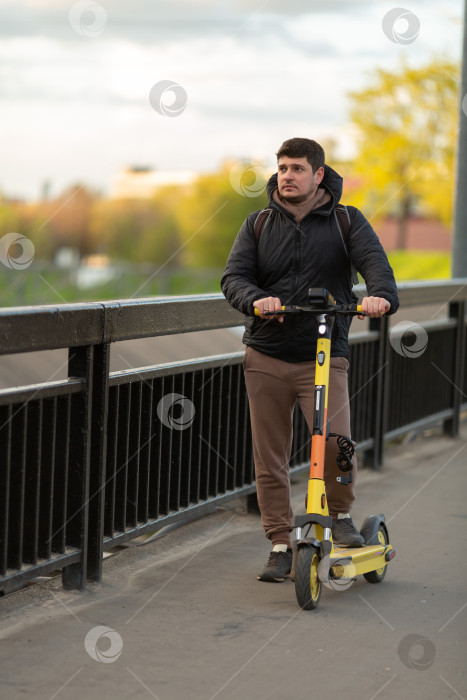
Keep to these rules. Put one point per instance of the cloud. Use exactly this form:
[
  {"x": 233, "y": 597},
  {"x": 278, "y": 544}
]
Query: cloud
[
  {"x": 147, "y": 21},
  {"x": 254, "y": 74}
]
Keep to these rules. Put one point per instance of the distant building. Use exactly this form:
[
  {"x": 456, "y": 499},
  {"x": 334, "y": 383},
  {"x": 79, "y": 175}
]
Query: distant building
[
  {"x": 140, "y": 182},
  {"x": 422, "y": 234}
]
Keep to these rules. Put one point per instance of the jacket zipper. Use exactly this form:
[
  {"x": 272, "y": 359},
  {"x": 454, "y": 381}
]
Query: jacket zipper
[{"x": 298, "y": 231}]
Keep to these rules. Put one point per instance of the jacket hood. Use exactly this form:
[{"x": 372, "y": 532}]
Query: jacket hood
[{"x": 332, "y": 182}]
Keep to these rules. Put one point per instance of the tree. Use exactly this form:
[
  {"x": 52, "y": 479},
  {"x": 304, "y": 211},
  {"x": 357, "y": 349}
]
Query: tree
[
  {"x": 406, "y": 122},
  {"x": 10, "y": 219},
  {"x": 212, "y": 212},
  {"x": 139, "y": 230},
  {"x": 68, "y": 218}
]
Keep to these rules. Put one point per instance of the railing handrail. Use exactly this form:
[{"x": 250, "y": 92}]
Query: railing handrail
[
  {"x": 34, "y": 328},
  {"x": 48, "y": 327},
  {"x": 423, "y": 292}
]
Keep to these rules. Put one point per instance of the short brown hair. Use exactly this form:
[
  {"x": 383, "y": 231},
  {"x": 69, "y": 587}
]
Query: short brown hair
[{"x": 303, "y": 148}]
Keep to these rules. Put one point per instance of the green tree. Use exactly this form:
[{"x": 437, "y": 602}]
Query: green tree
[
  {"x": 116, "y": 227},
  {"x": 162, "y": 242},
  {"x": 211, "y": 213},
  {"x": 29, "y": 219},
  {"x": 66, "y": 219},
  {"x": 10, "y": 218},
  {"x": 139, "y": 230},
  {"x": 407, "y": 122}
]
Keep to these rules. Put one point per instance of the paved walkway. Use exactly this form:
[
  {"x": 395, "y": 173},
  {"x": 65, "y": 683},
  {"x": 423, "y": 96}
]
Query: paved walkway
[{"x": 188, "y": 619}]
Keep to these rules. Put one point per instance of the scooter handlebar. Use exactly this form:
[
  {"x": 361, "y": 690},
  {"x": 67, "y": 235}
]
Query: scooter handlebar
[
  {"x": 284, "y": 309},
  {"x": 344, "y": 309}
]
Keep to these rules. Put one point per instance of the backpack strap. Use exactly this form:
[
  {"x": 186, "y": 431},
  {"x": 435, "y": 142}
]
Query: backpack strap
[
  {"x": 260, "y": 221},
  {"x": 343, "y": 222}
]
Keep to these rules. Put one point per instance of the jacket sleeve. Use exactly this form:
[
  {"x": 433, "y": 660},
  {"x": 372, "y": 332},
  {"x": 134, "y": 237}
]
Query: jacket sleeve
[
  {"x": 370, "y": 260},
  {"x": 239, "y": 281}
]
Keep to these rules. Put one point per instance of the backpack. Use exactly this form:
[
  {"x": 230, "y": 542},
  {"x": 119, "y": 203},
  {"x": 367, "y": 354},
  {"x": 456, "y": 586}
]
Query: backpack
[{"x": 342, "y": 217}]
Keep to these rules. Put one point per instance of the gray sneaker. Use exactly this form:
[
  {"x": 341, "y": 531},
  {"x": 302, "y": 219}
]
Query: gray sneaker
[
  {"x": 345, "y": 534},
  {"x": 277, "y": 568}
]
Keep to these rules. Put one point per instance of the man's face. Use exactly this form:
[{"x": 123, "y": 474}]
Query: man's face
[{"x": 296, "y": 179}]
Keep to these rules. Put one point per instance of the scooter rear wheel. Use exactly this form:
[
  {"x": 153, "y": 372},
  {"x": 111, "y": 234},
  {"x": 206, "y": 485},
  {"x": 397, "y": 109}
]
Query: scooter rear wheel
[
  {"x": 307, "y": 583},
  {"x": 378, "y": 575}
]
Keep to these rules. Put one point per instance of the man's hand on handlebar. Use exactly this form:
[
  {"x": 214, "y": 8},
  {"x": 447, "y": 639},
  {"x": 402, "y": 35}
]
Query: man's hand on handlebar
[
  {"x": 374, "y": 307},
  {"x": 268, "y": 304}
]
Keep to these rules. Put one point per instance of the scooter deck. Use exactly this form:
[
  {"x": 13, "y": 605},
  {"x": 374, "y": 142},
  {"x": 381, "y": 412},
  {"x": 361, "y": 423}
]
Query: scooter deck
[{"x": 348, "y": 562}]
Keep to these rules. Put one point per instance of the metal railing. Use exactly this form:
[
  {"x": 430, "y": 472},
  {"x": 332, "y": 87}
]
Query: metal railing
[{"x": 102, "y": 457}]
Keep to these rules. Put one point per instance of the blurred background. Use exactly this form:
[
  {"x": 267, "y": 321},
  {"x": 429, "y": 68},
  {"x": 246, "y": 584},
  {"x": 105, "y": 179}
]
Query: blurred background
[{"x": 136, "y": 138}]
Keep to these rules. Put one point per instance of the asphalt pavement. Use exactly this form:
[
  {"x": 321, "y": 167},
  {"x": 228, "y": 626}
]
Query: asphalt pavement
[{"x": 185, "y": 617}]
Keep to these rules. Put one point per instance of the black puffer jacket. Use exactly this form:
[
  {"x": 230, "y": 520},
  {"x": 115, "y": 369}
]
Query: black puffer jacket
[{"x": 289, "y": 259}]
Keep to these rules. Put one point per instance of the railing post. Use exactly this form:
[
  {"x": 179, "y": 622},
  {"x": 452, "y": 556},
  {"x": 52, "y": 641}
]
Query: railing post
[
  {"x": 80, "y": 364},
  {"x": 373, "y": 457},
  {"x": 451, "y": 425},
  {"x": 97, "y": 476}
]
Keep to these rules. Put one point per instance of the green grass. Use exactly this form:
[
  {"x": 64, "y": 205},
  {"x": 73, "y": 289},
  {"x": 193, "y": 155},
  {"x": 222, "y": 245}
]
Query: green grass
[
  {"x": 420, "y": 264},
  {"x": 44, "y": 284}
]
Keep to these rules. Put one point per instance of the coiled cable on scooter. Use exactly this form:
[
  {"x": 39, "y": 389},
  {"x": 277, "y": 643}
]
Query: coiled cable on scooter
[{"x": 344, "y": 456}]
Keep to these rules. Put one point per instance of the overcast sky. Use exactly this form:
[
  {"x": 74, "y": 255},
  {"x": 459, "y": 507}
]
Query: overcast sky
[{"x": 76, "y": 79}]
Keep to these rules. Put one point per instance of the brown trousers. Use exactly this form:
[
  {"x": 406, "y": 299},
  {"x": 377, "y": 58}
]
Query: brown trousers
[{"x": 273, "y": 388}]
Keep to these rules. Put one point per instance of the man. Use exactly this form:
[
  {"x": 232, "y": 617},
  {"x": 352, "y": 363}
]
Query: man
[{"x": 300, "y": 246}]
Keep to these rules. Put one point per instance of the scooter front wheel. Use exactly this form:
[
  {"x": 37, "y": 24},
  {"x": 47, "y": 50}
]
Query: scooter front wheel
[{"x": 307, "y": 583}]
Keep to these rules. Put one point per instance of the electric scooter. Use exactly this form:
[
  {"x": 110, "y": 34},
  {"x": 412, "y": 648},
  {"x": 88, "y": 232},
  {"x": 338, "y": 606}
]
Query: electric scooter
[{"x": 316, "y": 560}]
